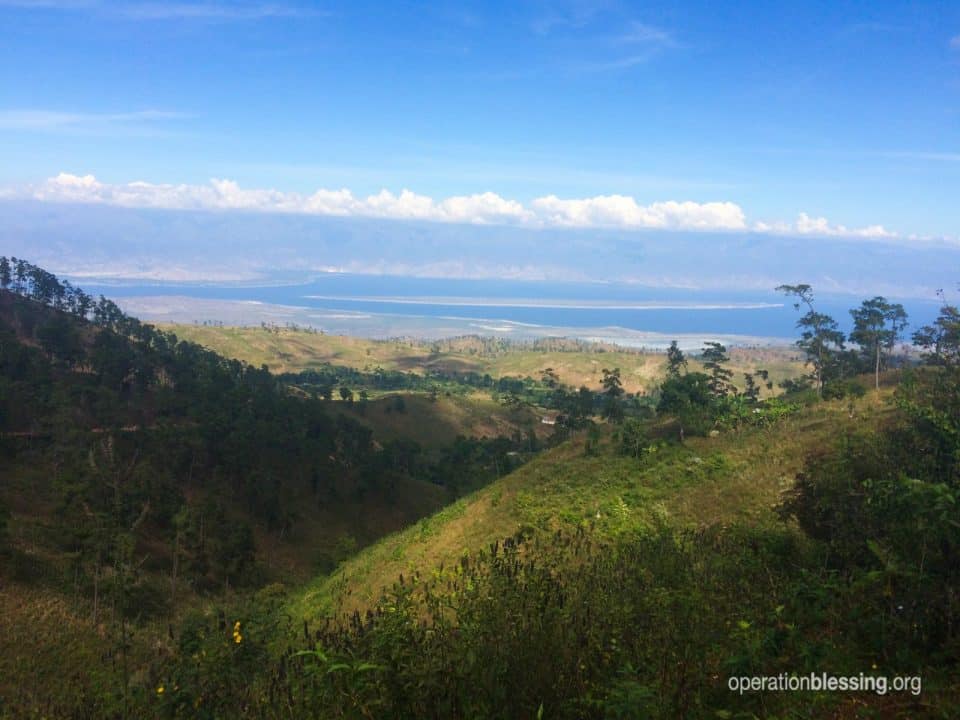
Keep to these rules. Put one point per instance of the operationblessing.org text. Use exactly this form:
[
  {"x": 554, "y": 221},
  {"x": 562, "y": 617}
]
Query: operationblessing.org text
[{"x": 819, "y": 682}]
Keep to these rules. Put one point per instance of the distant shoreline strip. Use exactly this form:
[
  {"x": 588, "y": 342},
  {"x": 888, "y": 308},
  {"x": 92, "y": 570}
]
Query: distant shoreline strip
[{"x": 550, "y": 305}]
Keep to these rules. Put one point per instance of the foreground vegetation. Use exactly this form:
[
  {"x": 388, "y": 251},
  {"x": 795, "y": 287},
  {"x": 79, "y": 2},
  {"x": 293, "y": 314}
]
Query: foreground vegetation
[{"x": 625, "y": 565}]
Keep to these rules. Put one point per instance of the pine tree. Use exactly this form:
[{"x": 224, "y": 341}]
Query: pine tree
[
  {"x": 714, "y": 356},
  {"x": 612, "y": 390},
  {"x": 877, "y": 325},
  {"x": 676, "y": 362},
  {"x": 820, "y": 338},
  {"x": 5, "y": 274}
]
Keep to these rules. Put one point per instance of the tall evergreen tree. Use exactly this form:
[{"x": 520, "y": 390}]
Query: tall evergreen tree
[
  {"x": 676, "y": 362},
  {"x": 820, "y": 336},
  {"x": 20, "y": 274},
  {"x": 5, "y": 273},
  {"x": 877, "y": 325},
  {"x": 714, "y": 356},
  {"x": 612, "y": 390}
]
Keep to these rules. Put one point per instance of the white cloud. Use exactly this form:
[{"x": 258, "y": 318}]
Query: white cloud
[
  {"x": 807, "y": 225},
  {"x": 487, "y": 205},
  {"x": 487, "y": 208},
  {"x": 772, "y": 227},
  {"x": 613, "y": 211},
  {"x": 955, "y": 42},
  {"x": 820, "y": 226},
  {"x": 624, "y": 211}
]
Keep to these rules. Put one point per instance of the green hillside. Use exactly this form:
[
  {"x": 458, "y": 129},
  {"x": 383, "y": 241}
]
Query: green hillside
[{"x": 734, "y": 477}]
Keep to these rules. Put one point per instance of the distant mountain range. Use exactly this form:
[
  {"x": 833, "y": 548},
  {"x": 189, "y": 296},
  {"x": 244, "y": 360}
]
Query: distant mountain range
[{"x": 100, "y": 242}]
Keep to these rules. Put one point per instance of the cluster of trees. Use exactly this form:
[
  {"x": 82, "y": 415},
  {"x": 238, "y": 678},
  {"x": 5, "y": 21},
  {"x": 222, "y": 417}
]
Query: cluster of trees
[
  {"x": 699, "y": 400},
  {"x": 488, "y": 346},
  {"x": 577, "y": 406},
  {"x": 131, "y": 424},
  {"x": 878, "y": 325},
  {"x": 327, "y": 381},
  {"x": 26, "y": 279}
]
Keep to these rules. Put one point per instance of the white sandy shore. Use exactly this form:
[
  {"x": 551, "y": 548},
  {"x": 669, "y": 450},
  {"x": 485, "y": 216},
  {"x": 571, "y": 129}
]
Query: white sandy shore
[{"x": 183, "y": 309}]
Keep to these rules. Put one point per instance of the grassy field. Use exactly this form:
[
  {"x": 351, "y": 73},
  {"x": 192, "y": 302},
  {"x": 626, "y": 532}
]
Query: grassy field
[
  {"x": 735, "y": 476},
  {"x": 285, "y": 350}
]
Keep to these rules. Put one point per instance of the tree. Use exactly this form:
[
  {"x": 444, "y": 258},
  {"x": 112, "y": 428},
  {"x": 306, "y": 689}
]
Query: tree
[
  {"x": 584, "y": 402},
  {"x": 752, "y": 387},
  {"x": 612, "y": 390},
  {"x": 513, "y": 401},
  {"x": 550, "y": 378},
  {"x": 820, "y": 335},
  {"x": 713, "y": 357},
  {"x": 688, "y": 398},
  {"x": 877, "y": 325},
  {"x": 346, "y": 394},
  {"x": 633, "y": 438},
  {"x": 20, "y": 274},
  {"x": 5, "y": 274},
  {"x": 676, "y": 362},
  {"x": 941, "y": 340},
  {"x": 932, "y": 397}
]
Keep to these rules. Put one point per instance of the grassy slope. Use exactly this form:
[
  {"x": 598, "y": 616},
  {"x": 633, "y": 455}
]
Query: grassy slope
[
  {"x": 287, "y": 350},
  {"x": 709, "y": 480}
]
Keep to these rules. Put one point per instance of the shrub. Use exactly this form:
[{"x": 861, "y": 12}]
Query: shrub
[{"x": 840, "y": 389}]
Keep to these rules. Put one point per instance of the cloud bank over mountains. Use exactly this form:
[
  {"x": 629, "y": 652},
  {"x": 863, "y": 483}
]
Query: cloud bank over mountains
[
  {"x": 620, "y": 212},
  {"x": 107, "y": 241}
]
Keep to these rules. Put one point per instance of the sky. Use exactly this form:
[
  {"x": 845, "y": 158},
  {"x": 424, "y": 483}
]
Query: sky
[{"x": 828, "y": 119}]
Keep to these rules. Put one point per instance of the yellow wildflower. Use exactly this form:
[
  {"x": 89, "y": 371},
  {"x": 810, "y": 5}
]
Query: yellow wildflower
[{"x": 160, "y": 690}]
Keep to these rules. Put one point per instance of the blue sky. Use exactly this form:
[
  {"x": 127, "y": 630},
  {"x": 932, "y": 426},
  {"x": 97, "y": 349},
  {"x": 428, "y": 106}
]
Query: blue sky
[{"x": 848, "y": 112}]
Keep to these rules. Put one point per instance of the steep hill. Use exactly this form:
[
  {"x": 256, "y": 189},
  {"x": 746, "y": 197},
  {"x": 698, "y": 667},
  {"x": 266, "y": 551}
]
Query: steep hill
[{"x": 736, "y": 476}]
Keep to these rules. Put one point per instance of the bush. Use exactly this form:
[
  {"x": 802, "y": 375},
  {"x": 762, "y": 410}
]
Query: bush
[
  {"x": 633, "y": 438},
  {"x": 840, "y": 389}
]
